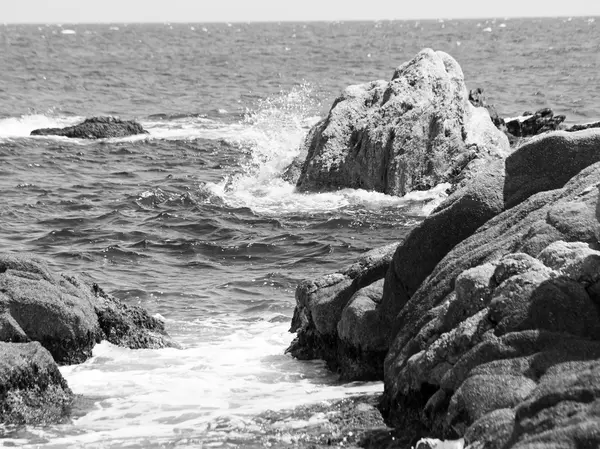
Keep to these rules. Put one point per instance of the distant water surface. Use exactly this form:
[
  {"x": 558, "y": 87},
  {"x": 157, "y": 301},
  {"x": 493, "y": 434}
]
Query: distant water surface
[{"x": 194, "y": 221}]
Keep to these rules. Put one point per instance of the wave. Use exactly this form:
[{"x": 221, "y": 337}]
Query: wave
[{"x": 22, "y": 126}]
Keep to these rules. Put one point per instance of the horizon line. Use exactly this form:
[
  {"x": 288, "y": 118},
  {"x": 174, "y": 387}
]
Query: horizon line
[{"x": 186, "y": 22}]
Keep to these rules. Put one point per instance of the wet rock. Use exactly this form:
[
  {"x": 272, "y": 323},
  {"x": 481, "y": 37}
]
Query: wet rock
[
  {"x": 540, "y": 122},
  {"x": 319, "y": 307},
  {"x": 38, "y": 305},
  {"x": 67, "y": 315},
  {"x": 410, "y": 133},
  {"x": 351, "y": 422},
  {"x": 583, "y": 126},
  {"x": 32, "y": 390},
  {"x": 95, "y": 128},
  {"x": 129, "y": 326}
]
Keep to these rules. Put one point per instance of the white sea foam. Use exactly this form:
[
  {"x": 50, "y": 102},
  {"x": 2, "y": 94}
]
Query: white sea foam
[
  {"x": 22, "y": 126},
  {"x": 228, "y": 373}
]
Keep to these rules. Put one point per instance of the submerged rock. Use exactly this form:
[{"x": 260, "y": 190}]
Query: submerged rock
[
  {"x": 410, "y": 133},
  {"x": 32, "y": 389},
  {"x": 95, "y": 128},
  {"x": 67, "y": 315}
]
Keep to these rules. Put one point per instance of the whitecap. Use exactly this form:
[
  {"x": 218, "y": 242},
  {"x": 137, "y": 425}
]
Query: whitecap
[
  {"x": 68, "y": 32},
  {"x": 487, "y": 30},
  {"x": 22, "y": 126}
]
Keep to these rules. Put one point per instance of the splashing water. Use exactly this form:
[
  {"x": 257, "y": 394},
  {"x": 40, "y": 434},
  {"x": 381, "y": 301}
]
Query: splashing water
[{"x": 273, "y": 136}]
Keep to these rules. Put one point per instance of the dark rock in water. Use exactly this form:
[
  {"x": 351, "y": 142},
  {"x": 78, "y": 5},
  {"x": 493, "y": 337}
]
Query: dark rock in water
[
  {"x": 583, "y": 126},
  {"x": 129, "y": 326},
  {"x": 530, "y": 125},
  {"x": 353, "y": 422},
  {"x": 38, "y": 305},
  {"x": 292, "y": 172},
  {"x": 323, "y": 301},
  {"x": 95, "y": 128},
  {"x": 65, "y": 314},
  {"x": 32, "y": 389},
  {"x": 410, "y": 133}
]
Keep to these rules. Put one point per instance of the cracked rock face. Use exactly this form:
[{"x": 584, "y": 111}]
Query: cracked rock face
[
  {"x": 411, "y": 133},
  {"x": 509, "y": 316}
]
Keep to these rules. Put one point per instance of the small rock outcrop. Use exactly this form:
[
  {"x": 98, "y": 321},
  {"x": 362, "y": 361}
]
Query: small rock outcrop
[
  {"x": 323, "y": 301},
  {"x": 32, "y": 389},
  {"x": 95, "y": 128},
  {"x": 411, "y": 133},
  {"x": 67, "y": 315},
  {"x": 532, "y": 124}
]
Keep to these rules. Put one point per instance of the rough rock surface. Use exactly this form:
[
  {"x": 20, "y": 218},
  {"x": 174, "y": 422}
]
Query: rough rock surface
[
  {"x": 95, "y": 128},
  {"x": 364, "y": 324},
  {"x": 548, "y": 161},
  {"x": 411, "y": 133},
  {"x": 321, "y": 302},
  {"x": 129, "y": 326},
  {"x": 500, "y": 343},
  {"x": 32, "y": 390},
  {"x": 67, "y": 315},
  {"x": 529, "y": 124},
  {"x": 583, "y": 126}
]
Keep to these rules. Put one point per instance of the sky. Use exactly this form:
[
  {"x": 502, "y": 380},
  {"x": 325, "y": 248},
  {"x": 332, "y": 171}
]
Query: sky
[{"x": 197, "y": 11}]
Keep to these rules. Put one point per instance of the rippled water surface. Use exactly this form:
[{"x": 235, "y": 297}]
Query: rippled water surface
[{"x": 194, "y": 222}]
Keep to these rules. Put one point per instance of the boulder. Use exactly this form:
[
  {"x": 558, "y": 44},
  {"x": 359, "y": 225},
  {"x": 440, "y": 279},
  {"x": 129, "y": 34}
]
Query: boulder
[
  {"x": 549, "y": 161},
  {"x": 413, "y": 132},
  {"x": 67, "y": 315},
  {"x": 320, "y": 304},
  {"x": 95, "y": 128},
  {"x": 509, "y": 315},
  {"x": 38, "y": 305},
  {"x": 32, "y": 389}
]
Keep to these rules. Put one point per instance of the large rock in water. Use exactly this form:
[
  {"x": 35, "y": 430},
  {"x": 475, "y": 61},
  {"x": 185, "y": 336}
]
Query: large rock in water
[
  {"x": 32, "y": 390},
  {"x": 67, "y": 315},
  {"x": 95, "y": 128},
  {"x": 410, "y": 133}
]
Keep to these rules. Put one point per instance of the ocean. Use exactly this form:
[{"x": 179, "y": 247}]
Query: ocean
[{"x": 194, "y": 222}]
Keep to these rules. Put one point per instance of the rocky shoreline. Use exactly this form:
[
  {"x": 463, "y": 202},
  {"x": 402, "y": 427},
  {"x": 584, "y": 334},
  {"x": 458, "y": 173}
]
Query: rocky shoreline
[
  {"x": 483, "y": 324},
  {"x": 49, "y": 319}
]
